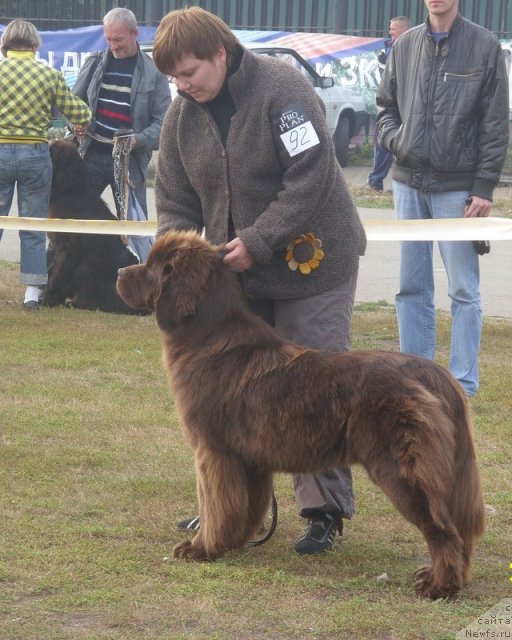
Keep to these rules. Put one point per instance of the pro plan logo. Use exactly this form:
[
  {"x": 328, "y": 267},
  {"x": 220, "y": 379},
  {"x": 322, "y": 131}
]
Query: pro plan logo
[
  {"x": 493, "y": 624},
  {"x": 291, "y": 118}
]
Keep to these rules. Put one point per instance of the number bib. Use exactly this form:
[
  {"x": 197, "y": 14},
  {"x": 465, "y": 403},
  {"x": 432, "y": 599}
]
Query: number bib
[{"x": 296, "y": 130}]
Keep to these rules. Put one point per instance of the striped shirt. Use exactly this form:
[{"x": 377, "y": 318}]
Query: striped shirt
[
  {"x": 28, "y": 89},
  {"x": 113, "y": 111}
]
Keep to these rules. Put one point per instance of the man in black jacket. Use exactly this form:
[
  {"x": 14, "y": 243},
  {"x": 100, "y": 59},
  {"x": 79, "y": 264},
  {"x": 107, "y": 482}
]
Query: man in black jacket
[{"x": 443, "y": 113}]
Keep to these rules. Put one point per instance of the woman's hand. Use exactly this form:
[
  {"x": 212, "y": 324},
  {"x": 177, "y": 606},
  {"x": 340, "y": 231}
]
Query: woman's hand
[{"x": 238, "y": 257}]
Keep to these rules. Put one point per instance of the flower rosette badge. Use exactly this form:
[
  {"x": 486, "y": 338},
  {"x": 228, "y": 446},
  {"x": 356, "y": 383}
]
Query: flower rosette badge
[{"x": 304, "y": 253}]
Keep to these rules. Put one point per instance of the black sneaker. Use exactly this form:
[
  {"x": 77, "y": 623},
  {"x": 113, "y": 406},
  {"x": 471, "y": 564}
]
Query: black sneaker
[
  {"x": 189, "y": 524},
  {"x": 319, "y": 533}
]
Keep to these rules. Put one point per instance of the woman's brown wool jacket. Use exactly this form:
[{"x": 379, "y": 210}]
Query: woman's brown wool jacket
[{"x": 272, "y": 196}]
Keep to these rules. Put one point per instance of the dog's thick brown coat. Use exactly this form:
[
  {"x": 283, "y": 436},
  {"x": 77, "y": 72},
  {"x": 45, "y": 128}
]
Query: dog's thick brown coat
[{"x": 253, "y": 404}]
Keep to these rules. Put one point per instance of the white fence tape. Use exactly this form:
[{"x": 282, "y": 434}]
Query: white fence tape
[
  {"x": 106, "y": 227},
  {"x": 458, "y": 229},
  {"x": 454, "y": 229}
]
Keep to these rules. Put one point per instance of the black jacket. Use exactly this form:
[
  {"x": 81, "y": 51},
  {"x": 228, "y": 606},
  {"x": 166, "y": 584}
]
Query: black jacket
[{"x": 443, "y": 109}]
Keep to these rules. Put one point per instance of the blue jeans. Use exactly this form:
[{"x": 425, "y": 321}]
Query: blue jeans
[
  {"x": 415, "y": 300},
  {"x": 29, "y": 168},
  {"x": 100, "y": 174},
  {"x": 382, "y": 162}
]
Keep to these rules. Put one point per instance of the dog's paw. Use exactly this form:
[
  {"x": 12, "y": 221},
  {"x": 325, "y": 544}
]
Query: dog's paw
[
  {"x": 49, "y": 298},
  {"x": 426, "y": 587},
  {"x": 423, "y": 581},
  {"x": 187, "y": 551}
]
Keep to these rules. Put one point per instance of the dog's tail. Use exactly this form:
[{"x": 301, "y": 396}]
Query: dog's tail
[
  {"x": 438, "y": 458},
  {"x": 467, "y": 503}
]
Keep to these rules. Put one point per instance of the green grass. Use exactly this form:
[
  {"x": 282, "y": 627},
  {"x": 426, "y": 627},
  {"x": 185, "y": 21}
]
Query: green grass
[
  {"x": 95, "y": 470},
  {"x": 370, "y": 199},
  {"x": 362, "y": 154}
]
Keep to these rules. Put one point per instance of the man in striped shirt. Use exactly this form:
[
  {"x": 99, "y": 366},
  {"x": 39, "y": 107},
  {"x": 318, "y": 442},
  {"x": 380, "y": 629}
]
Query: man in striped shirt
[{"x": 124, "y": 90}]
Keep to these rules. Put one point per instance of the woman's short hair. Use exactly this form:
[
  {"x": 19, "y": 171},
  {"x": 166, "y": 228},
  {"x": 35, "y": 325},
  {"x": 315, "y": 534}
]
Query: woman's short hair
[
  {"x": 20, "y": 35},
  {"x": 121, "y": 14},
  {"x": 191, "y": 31}
]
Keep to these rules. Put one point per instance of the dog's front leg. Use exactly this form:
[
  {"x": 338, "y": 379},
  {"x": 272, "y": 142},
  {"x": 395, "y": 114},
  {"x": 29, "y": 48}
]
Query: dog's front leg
[
  {"x": 64, "y": 265},
  {"x": 223, "y": 506},
  {"x": 193, "y": 549},
  {"x": 51, "y": 298}
]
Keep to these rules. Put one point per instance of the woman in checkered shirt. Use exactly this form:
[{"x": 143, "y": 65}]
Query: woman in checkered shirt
[{"x": 29, "y": 89}]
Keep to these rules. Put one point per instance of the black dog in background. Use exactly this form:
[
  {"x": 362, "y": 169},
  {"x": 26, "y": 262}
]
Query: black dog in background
[{"x": 83, "y": 267}]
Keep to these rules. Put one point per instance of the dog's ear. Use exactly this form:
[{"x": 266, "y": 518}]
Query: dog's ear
[{"x": 182, "y": 282}]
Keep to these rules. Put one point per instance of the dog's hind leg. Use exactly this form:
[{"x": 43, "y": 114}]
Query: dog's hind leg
[
  {"x": 223, "y": 506},
  {"x": 429, "y": 512},
  {"x": 446, "y": 576},
  {"x": 425, "y": 453}
]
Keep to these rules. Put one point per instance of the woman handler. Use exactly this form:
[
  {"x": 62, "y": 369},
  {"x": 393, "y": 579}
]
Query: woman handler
[{"x": 245, "y": 153}]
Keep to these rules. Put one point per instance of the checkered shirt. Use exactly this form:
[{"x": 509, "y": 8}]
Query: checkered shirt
[{"x": 28, "y": 90}]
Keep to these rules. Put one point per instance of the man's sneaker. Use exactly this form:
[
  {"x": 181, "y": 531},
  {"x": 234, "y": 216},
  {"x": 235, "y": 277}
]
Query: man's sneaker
[
  {"x": 189, "y": 524},
  {"x": 319, "y": 533}
]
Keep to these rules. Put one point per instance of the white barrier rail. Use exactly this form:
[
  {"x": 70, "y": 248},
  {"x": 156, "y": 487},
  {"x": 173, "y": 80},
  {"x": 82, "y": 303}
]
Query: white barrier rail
[
  {"x": 491, "y": 228},
  {"x": 454, "y": 229},
  {"x": 105, "y": 227}
]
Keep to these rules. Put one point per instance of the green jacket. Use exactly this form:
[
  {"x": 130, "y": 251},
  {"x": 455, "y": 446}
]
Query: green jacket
[{"x": 277, "y": 178}]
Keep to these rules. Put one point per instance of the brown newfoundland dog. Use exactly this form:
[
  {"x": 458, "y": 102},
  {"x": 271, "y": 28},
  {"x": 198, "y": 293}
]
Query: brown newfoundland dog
[
  {"x": 83, "y": 267},
  {"x": 253, "y": 404}
]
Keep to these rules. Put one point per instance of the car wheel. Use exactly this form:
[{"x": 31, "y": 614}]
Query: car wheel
[{"x": 341, "y": 140}]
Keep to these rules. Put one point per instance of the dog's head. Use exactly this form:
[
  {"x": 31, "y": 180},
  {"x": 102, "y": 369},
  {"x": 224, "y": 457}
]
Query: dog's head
[
  {"x": 69, "y": 173},
  {"x": 173, "y": 280}
]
